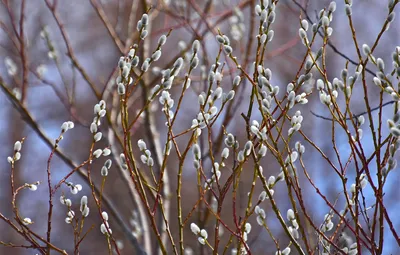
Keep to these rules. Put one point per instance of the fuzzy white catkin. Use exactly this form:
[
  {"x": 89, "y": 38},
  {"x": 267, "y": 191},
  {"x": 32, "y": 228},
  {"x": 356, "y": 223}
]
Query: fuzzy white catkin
[
  {"x": 135, "y": 61},
  {"x": 145, "y": 66},
  {"x": 262, "y": 151},
  {"x": 178, "y": 64},
  {"x": 97, "y": 153},
  {"x": 391, "y": 16},
  {"x": 156, "y": 55},
  {"x": 286, "y": 251},
  {"x": 11, "y": 66},
  {"x": 103, "y": 228},
  {"x": 108, "y": 163},
  {"x": 263, "y": 15},
  {"x": 33, "y": 187},
  {"x": 226, "y": 38},
  {"x": 257, "y": 10},
  {"x": 361, "y": 119},
  {"x": 225, "y": 153},
  {"x": 121, "y": 89},
  {"x": 85, "y": 212},
  {"x": 236, "y": 81},
  {"x": 290, "y": 215},
  {"x": 204, "y": 233},
  {"x": 366, "y": 49},
  {"x": 195, "y": 46},
  {"x": 102, "y": 113},
  {"x": 263, "y": 39},
  {"x": 230, "y": 139},
  {"x": 145, "y": 19},
  {"x": 131, "y": 53},
  {"x": 271, "y": 181},
  {"x": 27, "y": 221},
  {"x": 93, "y": 128},
  {"x": 213, "y": 110},
  {"x": 64, "y": 127},
  {"x": 275, "y": 90},
  {"x": 194, "y": 63},
  {"x": 377, "y": 81},
  {"x": 122, "y": 158},
  {"x": 188, "y": 83},
  {"x": 304, "y": 24},
  {"x": 17, "y": 156},
  {"x": 105, "y": 216},
  {"x": 195, "y": 229},
  {"x": 380, "y": 64},
  {"x": 271, "y": 17},
  {"x": 270, "y": 35},
  {"x": 230, "y": 95},
  {"x": 144, "y": 159},
  {"x": 143, "y": 34},
  {"x": 218, "y": 93},
  {"x": 291, "y": 96},
  {"x": 211, "y": 77},
  {"x": 247, "y": 147},
  {"x": 106, "y": 152},
  {"x": 201, "y": 100},
  {"x": 68, "y": 202},
  {"x": 395, "y": 131},
  {"x": 332, "y": 6},
  {"x": 240, "y": 156},
  {"x": 220, "y": 39},
  {"x": 141, "y": 145},
  {"x": 121, "y": 62},
  {"x": 262, "y": 196},
  {"x": 247, "y": 227},
  {"x": 104, "y": 171},
  {"x": 162, "y": 40},
  {"x": 325, "y": 21},
  {"x": 320, "y": 84},
  {"x": 17, "y": 146},
  {"x": 150, "y": 162},
  {"x": 196, "y": 151},
  {"x": 71, "y": 214},
  {"x": 302, "y": 33},
  {"x": 84, "y": 201},
  {"x": 228, "y": 49},
  {"x": 168, "y": 148},
  {"x": 97, "y": 137}
]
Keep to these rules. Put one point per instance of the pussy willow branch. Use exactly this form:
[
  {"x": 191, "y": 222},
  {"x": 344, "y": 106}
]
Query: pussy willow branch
[
  {"x": 112, "y": 134},
  {"x": 82, "y": 71},
  {"x": 226, "y": 14},
  {"x": 379, "y": 192},
  {"x": 254, "y": 92},
  {"x": 323, "y": 73},
  {"x": 108, "y": 236},
  {"x": 49, "y": 142},
  {"x": 331, "y": 45},
  {"x": 291, "y": 183},
  {"x": 249, "y": 79},
  {"x": 277, "y": 212},
  {"x": 103, "y": 17},
  {"x": 155, "y": 145},
  {"x": 369, "y": 111},
  {"x": 355, "y": 116}
]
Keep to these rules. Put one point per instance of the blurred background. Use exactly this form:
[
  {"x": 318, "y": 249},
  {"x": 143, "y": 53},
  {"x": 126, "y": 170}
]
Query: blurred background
[{"x": 54, "y": 89}]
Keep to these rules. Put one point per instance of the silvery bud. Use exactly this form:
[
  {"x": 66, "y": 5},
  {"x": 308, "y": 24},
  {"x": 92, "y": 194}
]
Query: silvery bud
[
  {"x": 162, "y": 40},
  {"x": 121, "y": 89}
]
